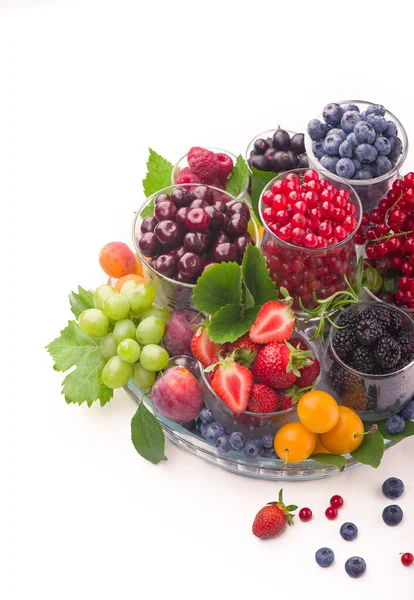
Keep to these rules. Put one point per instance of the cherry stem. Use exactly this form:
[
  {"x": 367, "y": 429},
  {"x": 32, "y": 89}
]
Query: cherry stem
[{"x": 371, "y": 430}]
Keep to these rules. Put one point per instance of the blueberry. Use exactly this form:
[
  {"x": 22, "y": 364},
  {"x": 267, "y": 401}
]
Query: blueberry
[
  {"x": 375, "y": 108},
  {"x": 392, "y": 515},
  {"x": 351, "y": 138},
  {"x": 340, "y": 132},
  {"x": 331, "y": 144},
  {"x": 366, "y": 153},
  {"x": 329, "y": 162},
  {"x": 396, "y": 148},
  {"x": 237, "y": 440},
  {"x": 382, "y": 145},
  {"x": 254, "y": 448},
  {"x": 332, "y": 113},
  {"x": 317, "y": 149},
  {"x": 351, "y": 107},
  {"x": 268, "y": 440},
  {"x": 363, "y": 115},
  {"x": 317, "y": 130},
  {"x": 345, "y": 168},
  {"x": 349, "y": 119},
  {"x": 364, "y": 133},
  {"x": 348, "y": 531},
  {"x": 269, "y": 453},
  {"x": 206, "y": 416},
  {"x": 346, "y": 149},
  {"x": 357, "y": 165},
  {"x": 324, "y": 557},
  {"x": 355, "y": 566},
  {"x": 391, "y": 129},
  {"x": 393, "y": 488},
  {"x": 408, "y": 412},
  {"x": 383, "y": 165},
  {"x": 363, "y": 174},
  {"x": 223, "y": 444},
  {"x": 212, "y": 431},
  {"x": 377, "y": 122},
  {"x": 394, "y": 424}
]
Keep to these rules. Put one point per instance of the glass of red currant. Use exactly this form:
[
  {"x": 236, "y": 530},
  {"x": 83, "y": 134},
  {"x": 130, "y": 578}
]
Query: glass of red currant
[{"x": 309, "y": 225}]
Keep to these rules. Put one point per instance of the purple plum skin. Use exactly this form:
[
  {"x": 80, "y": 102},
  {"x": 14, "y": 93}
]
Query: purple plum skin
[
  {"x": 177, "y": 395},
  {"x": 179, "y": 330}
]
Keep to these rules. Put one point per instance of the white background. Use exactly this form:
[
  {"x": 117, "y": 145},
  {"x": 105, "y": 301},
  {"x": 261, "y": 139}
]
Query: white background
[{"x": 85, "y": 87}]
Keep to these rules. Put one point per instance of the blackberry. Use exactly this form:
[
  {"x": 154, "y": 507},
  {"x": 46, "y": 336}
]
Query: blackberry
[
  {"x": 363, "y": 361},
  {"x": 405, "y": 340},
  {"x": 344, "y": 341},
  {"x": 387, "y": 352},
  {"x": 341, "y": 380},
  {"x": 348, "y": 318},
  {"x": 380, "y": 314},
  {"x": 396, "y": 321},
  {"x": 369, "y": 331}
]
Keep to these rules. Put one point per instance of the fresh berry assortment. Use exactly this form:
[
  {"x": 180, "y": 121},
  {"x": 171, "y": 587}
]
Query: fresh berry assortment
[
  {"x": 278, "y": 153},
  {"x": 206, "y": 166},
  {"x": 353, "y": 144}
]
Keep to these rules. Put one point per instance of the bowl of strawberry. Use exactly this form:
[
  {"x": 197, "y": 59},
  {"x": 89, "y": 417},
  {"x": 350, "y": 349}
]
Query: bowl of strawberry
[{"x": 308, "y": 239}]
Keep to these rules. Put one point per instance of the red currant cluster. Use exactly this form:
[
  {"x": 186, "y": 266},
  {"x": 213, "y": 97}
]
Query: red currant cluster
[
  {"x": 311, "y": 214},
  {"x": 389, "y": 233}
]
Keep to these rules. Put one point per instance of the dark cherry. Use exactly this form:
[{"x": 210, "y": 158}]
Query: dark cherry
[
  {"x": 216, "y": 216},
  {"x": 221, "y": 238},
  {"x": 148, "y": 224},
  {"x": 198, "y": 203},
  {"x": 220, "y": 205},
  {"x": 237, "y": 225},
  {"x": 148, "y": 244},
  {"x": 196, "y": 242},
  {"x": 190, "y": 265},
  {"x": 242, "y": 242},
  {"x": 181, "y": 197},
  {"x": 166, "y": 264},
  {"x": 202, "y": 192},
  {"x": 178, "y": 252},
  {"x": 260, "y": 146},
  {"x": 161, "y": 198},
  {"x": 165, "y": 210},
  {"x": 224, "y": 253},
  {"x": 198, "y": 220},
  {"x": 181, "y": 215},
  {"x": 239, "y": 208},
  {"x": 168, "y": 233}
]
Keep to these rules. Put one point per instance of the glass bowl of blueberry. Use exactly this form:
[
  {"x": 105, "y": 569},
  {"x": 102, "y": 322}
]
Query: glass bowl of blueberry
[
  {"x": 181, "y": 230},
  {"x": 360, "y": 142},
  {"x": 277, "y": 150},
  {"x": 370, "y": 360}
]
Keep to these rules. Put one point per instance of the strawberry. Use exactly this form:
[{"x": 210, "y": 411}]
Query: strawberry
[
  {"x": 204, "y": 350},
  {"x": 232, "y": 383},
  {"x": 262, "y": 399},
  {"x": 278, "y": 364},
  {"x": 309, "y": 373},
  {"x": 274, "y": 323},
  {"x": 245, "y": 343},
  {"x": 272, "y": 518},
  {"x": 286, "y": 401}
]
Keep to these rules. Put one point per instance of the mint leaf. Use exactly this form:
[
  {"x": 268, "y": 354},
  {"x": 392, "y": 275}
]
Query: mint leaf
[
  {"x": 230, "y": 323},
  {"x": 218, "y": 285},
  {"x": 260, "y": 179},
  {"x": 408, "y": 431},
  {"x": 158, "y": 175},
  {"x": 330, "y": 459},
  {"x": 371, "y": 450},
  {"x": 147, "y": 435},
  {"x": 239, "y": 177},
  {"x": 80, "y": 301},
  {"x": 256, "y": 276}
]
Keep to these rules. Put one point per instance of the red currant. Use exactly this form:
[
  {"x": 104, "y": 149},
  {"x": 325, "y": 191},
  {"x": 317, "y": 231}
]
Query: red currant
[
  {"x": 359, "y": 239},
  {"x": 309, "y": 175},
  {"x": 408, "y": 297},
  {"x": 267, "y": 214},
  {"x": 392, "y": 196},
  {"x": 314, "y": 186},
  {"x": 338, "y": 214},
  {"x": 305, "y": 514},
  {"x": 376, "y": 216},
  {"x": 404, "y": 283},
  {"x": 394, "y": 244},
  {"x": 293, "y": 196},
  {"x": 285, "y": 233},
  {"x": 300, "y": 207},
  {"x": 336, "y": 501},
  {"x": 382, "y": 249},
  {"x": 400, "y": 296},
  {"x": 409, "y": 195},
  {"x": 396, "y": 262},
  {"x": 280, "y": 201},
  {"x": 409, "y": 180},
  {"x": 397, "y": 216},
  {"x": 267, "y": 197},
  {"x": 398, "y": 185},
  {"x": 292, "y": 186},
  {"x": 407, "y": 268},
  {"x": 297, "y": 265},
  {"x": 325, "y": 229},
  {"x": 311, "y": 199},
  {"x": 326, "y": 195},
  {"x": 331, "y": 513},
  {"x": 340, "y": 232},
  {"x": 371, "y": 251},
  {"x": 350, "y": 209},
  {"x": 383, "y": 206},
  {"x": 407, "y": 558},
  {"x": 366, "y": 220},
  {"x": 409, "y": 244},
  {"x": 332, "y": 241},
  {"x": 310, "y": 240},
  {"x": 382, "y": 229},
  {"x": 372, "y": 233},
  {"x": 349, "y": 223},
  {"x": 292, "y": 177},
  {"x": 298, "y": 220},
  {"x": 281, "y": 217},
  {"x": 327, "y": 209},
  {"x": 297, "y": 235},
  {"x": 278, "y": 186}
]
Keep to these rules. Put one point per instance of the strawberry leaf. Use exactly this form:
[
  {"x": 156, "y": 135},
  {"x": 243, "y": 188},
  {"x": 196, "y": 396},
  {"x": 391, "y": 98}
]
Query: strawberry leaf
[
  {"x": 229, "y": 323},
  {"x": 407, "y": 432},
  {"x": 158, "y": 175},
  {"x": 147, "y": 435},
  {"x": 371, "y": 451},
  {"x": 219, "y": 285},
  {"x": 260, "y": 179},
  {"x": 80, "y": 301},
  {"x": 239, "y": 177},
  {"x": 256, "y": 276},
  {"x": 334, "y": 460}
]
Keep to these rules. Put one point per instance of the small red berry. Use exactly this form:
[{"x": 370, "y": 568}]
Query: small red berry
[
  {"x": 398, "y": 185},
  {"x": 366, "y": 220},
  {"x": 371, "y": 251},
  {"x": 336, "y": 501},
  {"x": 278, "y": 186},
  {"x": 267, "y": 197},
  {"x": 376, "y": 216},
  {"x": 279, "y": 202},
  {"x": 305, "y": 514},
  {"x": 394, "y": 244},
  {"x": 409, "y": 180},
  {"x": 407, "y": 558},
  {"x": 309, "y": 175},
  {"x": 407, "y": 268},
  {"x": 331, "y": 513}
]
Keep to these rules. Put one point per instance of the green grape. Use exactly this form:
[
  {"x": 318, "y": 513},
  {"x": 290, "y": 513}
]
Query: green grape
[
  {"x": 116, "y": 307},
  {"x": 129, "y": 351},
  {"x": 142, "y": 297},
  {"x": 150, "y": 331},
  {"x": 124, "y": 329},
  {"x": 157, "y": 311},
  {"x": 108, "y": 346},
  {"x": 101, "y": 294},
  {"x": 93, "y": 322},
  {"x": 128, "y": 288},
  {"x": 154, "y": 358},
  {"x": 116, "y": 373},
  {"x": 143, "y": 379}
]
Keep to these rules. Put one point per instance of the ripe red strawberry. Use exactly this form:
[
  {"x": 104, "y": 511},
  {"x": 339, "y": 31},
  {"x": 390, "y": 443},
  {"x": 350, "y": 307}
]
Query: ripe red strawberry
[
  {"x": 274, "y": 323},
  {"x": 278, "y": 364},
  {"x": 285, "y": 401},
  {"x": 272, "y": 518},
  {"x": 232, "y": 383},
  {"x": 204, "y": 350},
  {"x": 245, "y": 343},
  {"x": 308, "y": 373},
  {"x": 262, "y": 399}
]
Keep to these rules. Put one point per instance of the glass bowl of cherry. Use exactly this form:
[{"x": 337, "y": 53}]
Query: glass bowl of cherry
[
  {"x": 183, "y": 229},
  {"x": 308, "y": 238}
]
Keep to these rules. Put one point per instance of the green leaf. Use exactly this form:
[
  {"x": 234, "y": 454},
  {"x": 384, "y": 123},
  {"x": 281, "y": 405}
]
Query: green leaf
[
  {"x": 230, "y": 323},
  {"x": 260, "y": 179},
  {"x": 158, "y": 175},
  {"x": 147, "y": 435},
  {"x": 408, "y": 431},
  {"x": 330, "y": 459},
  {"x": 148, "y": 211},
  {"x": 80, "y": 301},
  {"x": 256, "y": 276},
  {"x": 71, "y": 347},
  {"x": 219, "y": 285},
  {"x": 248, "y": 300},
  {"x": 239, "y": 177},
  {"x": 371, "y": 450}
]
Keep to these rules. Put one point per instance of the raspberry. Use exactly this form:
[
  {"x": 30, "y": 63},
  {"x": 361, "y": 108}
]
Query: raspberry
[
  {"x": 186, "y": 176},
  {"x": 226, "y": 166},
  {"x": 203, "y": 163}
]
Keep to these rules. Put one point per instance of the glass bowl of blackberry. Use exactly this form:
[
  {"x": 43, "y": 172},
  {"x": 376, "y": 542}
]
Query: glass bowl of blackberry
[
  {"x": 370, "y": 359},
  {"x": 277, "y": 150},
  {"x": 251, "y": 424},
  {"x": 361, "y": 142},
  {"x": 183, "y": 229}
]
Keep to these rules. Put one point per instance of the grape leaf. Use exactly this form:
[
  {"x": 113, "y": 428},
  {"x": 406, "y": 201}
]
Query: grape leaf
[
  {"x": 158, "y": 174},
  {"x": 371, "y": 451},
  {"x": 239, "y": 178},
  {"x": 219, "y": 285},
  {"x": 259, "y": 181},
  {"x": 229, "y": 323},
  {"x": 147, "y": 435},
  {"x": 256, "y": 276},
  {"x": 408, "y": 431},
  {"x": 330, "y": 459},
  {"x": 80, "y": 301}
]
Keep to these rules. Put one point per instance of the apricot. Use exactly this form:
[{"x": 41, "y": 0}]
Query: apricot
[
  {"x": 130, "y": 277},
  {"x": 346, "y": 436},
  {"x": 294, "y": 443},
  {"x": 318, "y": 411},
  {"x": 319, "y": 448},
  {"x": 117, "y": 259}
]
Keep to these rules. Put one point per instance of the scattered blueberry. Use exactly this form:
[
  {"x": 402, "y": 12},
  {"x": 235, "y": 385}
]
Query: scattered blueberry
[
  {"x": 351, "y": 107},
  {"x": 363, "y": 174},
  {"x": 346, "y": 149},
  {"x": 366, "y": 153},
  {"x": 329, "y": 162},
  {"x": 268, "y": 440},
  {"x": 391, "y": 129},
  {"x": 317, "y": 130},
  {"x": 396, "y": 148},
  {"x": 331, "y": 144},
  {"x": 408, "y": 412},
  {"x": 364, "y": 133},
  {"x": 223, "y": 444},
  {"x": 349, "y": 119},
  {"x": 345, "y": 168},
  {"x": 212, "y": 431},
  {"x": 392, "y": 488},
  {"x": 332, "y": 113},
  {"x": 254, "y": 448},
  {"x": 394, "y": 425},
  {"x": 237, "y": 440},
  {"x": 392, "y": 515},
  {"x": 348, "y": 531},
  {"x": 383, "y": 165},
  {"x": 324, "y": 557},
  {"x": 355, "y": 566},
  {"x": 375, "y": 108},
  {"x": 377, "y": 122},
  {"x": 206, "y": 416},
  {"x": 317, "y": 149}
]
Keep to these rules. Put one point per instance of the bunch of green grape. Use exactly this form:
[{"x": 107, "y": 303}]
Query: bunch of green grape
[{"x": 131, "y": 328}]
